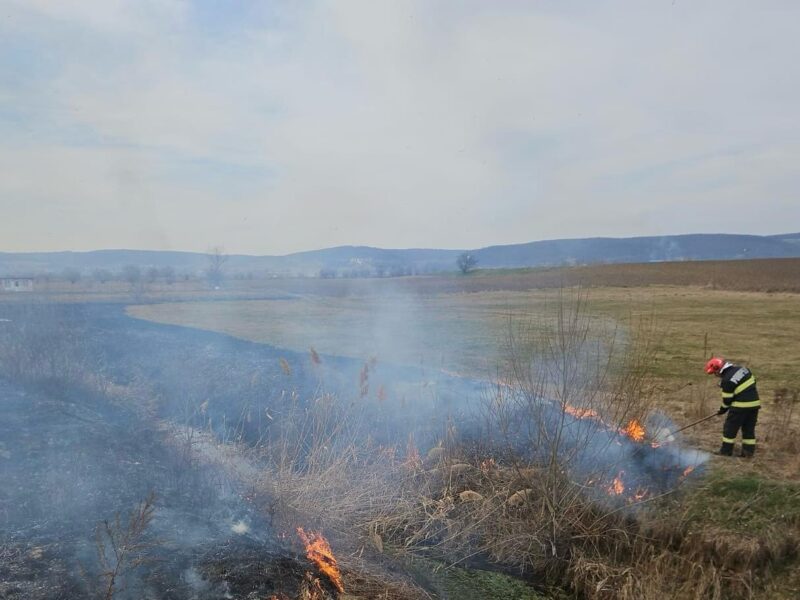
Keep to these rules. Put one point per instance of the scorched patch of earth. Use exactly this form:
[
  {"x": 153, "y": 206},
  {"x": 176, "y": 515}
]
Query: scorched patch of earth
[
  {"x": 71, "y": 460},
  {"x": 104, "y": 416}
]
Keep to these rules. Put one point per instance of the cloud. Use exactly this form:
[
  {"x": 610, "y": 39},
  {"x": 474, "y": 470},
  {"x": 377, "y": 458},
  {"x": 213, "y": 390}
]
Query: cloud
[{"x": 276, "y": 127}]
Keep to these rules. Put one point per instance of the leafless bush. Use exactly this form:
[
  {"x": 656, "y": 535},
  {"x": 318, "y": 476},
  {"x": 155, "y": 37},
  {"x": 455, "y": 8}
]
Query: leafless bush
[
  {"x": 529, "y": 508},
  {"x": 781, "y": 432},
  {"x": 215, "y": 269},
  {"x": 703, "y": 399},
  {"x": 121, "y": 547}
]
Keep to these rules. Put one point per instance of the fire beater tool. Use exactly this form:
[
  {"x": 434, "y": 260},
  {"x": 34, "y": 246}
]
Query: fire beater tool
[{"x": 671, "y": 435}]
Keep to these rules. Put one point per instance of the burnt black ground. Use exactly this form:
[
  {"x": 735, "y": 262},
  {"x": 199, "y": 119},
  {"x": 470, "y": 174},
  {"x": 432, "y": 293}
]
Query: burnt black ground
[
  {"x": 183, "y": 366},
  {"x": 72, "y": 455},
  {"x": 70, "y": 462}
]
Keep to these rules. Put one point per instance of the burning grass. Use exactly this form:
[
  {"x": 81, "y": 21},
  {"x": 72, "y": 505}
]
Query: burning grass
[
  {"x": 319, "y": 552},
  {"x": 559, "y": 483},
  {"x": 564, "y": 483},
  {"x": 517, "y": 517}
]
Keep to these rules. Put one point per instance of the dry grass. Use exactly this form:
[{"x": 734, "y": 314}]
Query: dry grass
[
  {"x": 456, "y": 507},
  {"x": 757, "y": 328},
  {"x": 458, "y": 503},
  {"x": 467, "y": 333},
  {"x": 453, "y": 503}
]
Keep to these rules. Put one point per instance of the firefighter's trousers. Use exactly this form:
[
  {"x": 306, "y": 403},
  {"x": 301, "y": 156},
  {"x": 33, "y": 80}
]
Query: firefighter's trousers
[{"x": 744, "y": 419}]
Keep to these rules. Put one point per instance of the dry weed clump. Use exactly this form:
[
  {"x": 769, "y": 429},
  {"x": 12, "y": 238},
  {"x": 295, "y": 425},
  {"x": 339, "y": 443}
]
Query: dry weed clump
[
  {"x": 37, "y": 346},
  {"x": 781, "y": 433}
]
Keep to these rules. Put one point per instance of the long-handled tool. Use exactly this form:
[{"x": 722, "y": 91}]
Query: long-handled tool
[
  {"x": 716, "y": 414},
  {"x": 670, "y": 435}
]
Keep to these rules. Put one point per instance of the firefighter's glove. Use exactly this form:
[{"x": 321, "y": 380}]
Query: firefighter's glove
[{"x": 722, "y": 410}]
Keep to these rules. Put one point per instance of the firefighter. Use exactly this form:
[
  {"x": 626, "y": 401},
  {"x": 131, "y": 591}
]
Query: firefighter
[{"x": 740, "y": 401}]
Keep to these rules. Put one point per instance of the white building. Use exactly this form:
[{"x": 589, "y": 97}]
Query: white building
[{"x": 16, "y": 284}]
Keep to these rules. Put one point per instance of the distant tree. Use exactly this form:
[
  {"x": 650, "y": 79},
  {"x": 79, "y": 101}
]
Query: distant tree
[
  {"x": 216, "y": 263},
  {"x": 102, "y": 275},
  {"x": 72, "y": 275},
  {"x": 327, "y": 274},
  {"x": 132, "y": 274},
  {"x": 167, "y": 274},
  {"x": 466, "y": 262}
]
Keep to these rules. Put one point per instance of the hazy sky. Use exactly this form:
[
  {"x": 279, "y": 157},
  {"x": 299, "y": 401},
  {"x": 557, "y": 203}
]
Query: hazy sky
[{"x": 270, "y": 127}]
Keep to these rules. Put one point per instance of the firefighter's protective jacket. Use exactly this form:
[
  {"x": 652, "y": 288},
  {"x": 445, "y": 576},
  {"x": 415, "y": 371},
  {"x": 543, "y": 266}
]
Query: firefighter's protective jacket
[{"x": 738, "y": 387}]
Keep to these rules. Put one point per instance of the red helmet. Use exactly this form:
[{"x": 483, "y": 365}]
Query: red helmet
[{"x": 714, "y": 365}]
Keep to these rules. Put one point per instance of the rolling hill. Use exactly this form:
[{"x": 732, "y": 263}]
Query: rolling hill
[{"x": 362, "y": 260}]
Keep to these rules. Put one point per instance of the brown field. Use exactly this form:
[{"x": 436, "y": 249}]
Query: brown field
[{"x": 762, "y": 275}]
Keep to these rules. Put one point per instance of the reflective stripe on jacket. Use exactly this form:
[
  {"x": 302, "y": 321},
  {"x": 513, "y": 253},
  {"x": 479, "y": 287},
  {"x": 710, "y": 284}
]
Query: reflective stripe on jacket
[{"x": 738, "y": 387}]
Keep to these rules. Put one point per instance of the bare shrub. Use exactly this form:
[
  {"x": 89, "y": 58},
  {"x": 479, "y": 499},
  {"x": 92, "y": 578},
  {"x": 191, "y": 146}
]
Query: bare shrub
[
  {"x": 781, "y": 431},
  {"x": 121, "y": 547},
  {"x": 215, "y": 269},
  {"x": 535, "y": 510}
]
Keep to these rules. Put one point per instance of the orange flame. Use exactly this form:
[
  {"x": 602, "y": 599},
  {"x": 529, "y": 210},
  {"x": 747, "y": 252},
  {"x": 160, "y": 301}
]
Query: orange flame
[
  {"x": 634, "y": 430},
  {"x": 319, "y": 552},
  {"x": 617, "y": 487},
  {"x": 688, "y": 470},
  {"x": 581, "y": 413}
]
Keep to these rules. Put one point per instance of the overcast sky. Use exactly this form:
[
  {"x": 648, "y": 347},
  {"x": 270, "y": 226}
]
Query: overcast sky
[{"x": 271, "y": 127}]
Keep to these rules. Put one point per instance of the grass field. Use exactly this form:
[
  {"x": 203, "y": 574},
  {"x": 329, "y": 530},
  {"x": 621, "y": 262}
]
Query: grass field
[{"x": 466, "y": 333}]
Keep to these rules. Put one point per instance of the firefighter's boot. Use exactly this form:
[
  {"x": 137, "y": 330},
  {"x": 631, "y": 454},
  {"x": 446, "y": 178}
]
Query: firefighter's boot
[
  {"x": 748, "y": 449},
  {"x": 726, "y": 449}
]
